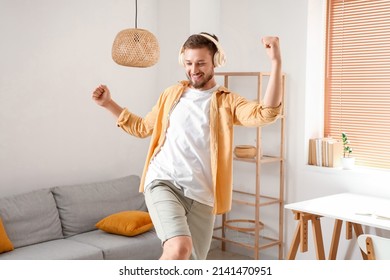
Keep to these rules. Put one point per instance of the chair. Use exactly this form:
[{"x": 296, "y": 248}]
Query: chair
[{"x": 375, "y": 247}]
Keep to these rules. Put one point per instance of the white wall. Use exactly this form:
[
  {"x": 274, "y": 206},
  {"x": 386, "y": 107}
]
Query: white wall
[
  {"x": 54, "y": 53},
  {"x": 173, "y": 29}
]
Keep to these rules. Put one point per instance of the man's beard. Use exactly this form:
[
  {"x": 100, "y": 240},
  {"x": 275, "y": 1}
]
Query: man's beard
[{"x": 200, "y": 84}]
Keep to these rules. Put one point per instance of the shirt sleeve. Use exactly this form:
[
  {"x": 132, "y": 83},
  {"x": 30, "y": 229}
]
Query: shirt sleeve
[
  {"x": 123, "y": 117},
  {"x": 271, "y": 113},
  {"x": 251, "y": 113},
  {"x": 134, "y": 124}
]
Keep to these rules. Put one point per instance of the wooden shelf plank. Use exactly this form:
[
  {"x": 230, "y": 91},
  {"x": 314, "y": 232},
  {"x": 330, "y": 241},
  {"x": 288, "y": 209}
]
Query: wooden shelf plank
[{"x": 264, "y": 159}]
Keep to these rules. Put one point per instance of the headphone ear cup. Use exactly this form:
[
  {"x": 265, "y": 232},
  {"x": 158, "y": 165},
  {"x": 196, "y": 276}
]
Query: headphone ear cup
[
  {"x": 181, "y": 57},
  {"x": 219, "y": 58},
  {"x": 181, "y": 62}
]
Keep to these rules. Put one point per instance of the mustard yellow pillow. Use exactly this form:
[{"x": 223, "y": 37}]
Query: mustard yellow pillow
[
  {"x": 5, "y": 243},
  {"x": 128, "y": 223}
]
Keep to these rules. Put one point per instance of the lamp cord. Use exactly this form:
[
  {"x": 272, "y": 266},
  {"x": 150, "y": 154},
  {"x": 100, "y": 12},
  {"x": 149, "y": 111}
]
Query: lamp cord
[{"x": 136, "y": 13}]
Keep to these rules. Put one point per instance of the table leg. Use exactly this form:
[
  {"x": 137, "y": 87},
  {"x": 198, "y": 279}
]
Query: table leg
[
  {"x": 318, "y": 241},
  {"x": 335, "y": 239},
  {"x": 301, "y": 235},
  {"x": 295, "y": 243},
  {"x": 348, "y": 230},
  {"x": 359, "y": 230},
  {"x": 304, "y": 218}
]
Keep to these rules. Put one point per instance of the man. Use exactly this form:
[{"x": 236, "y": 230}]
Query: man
[{"x": 187, "y": 177}]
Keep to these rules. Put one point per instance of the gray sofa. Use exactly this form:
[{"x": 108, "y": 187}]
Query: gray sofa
[{"x": 59, "y": 223}]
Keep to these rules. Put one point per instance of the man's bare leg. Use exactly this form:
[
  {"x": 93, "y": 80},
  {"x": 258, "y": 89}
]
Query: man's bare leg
[{"x": 177, "y": 248}]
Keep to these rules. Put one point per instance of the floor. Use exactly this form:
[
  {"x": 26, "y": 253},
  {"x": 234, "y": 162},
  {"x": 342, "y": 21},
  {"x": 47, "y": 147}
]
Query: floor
[{"x": 218, "y": 254}]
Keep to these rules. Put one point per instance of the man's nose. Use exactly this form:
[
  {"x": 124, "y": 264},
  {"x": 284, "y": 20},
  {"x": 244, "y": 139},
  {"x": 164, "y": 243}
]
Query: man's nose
[{"x": 194, "y": 68}]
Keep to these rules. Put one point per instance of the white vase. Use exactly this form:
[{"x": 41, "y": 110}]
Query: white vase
[{"x": 347, "y": 162}]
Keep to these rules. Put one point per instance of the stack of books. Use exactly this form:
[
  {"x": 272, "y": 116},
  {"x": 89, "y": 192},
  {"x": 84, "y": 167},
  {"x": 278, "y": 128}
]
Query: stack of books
[{"x": 325, "y": 152}]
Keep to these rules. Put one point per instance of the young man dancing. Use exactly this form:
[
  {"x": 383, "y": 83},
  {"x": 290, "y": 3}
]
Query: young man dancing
[{"x": 187, "y": 177}]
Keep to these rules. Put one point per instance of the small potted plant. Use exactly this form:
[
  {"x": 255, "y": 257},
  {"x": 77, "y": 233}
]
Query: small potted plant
[{"x": 347, "y": 162}]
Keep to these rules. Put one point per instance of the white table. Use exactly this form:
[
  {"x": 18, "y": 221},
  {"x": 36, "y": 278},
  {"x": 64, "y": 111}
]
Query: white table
[{"x": 354, "y": 209}]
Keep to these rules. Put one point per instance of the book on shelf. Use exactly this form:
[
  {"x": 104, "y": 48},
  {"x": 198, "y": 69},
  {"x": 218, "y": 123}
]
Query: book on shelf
[{"x": 325, "y": 152}]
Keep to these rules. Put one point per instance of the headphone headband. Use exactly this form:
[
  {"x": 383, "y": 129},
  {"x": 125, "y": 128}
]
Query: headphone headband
[{"x": 219, "y": 57}]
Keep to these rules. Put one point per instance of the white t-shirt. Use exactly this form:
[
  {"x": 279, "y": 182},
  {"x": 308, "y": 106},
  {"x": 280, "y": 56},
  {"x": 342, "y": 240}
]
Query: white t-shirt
[{"x": 184, "y": 157}]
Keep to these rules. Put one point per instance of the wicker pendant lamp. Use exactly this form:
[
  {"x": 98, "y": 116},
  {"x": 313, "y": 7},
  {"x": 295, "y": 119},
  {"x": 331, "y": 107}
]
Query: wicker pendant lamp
[{"x": 135, "y": 47}]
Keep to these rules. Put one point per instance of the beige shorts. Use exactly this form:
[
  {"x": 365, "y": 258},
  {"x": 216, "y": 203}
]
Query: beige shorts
[{"x": 173, "y": 215}]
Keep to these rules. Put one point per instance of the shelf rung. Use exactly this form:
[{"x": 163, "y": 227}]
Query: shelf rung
[
  {"x": 264, "y": 159},
  {"x": 243, "y": 202},
  {"x": 254, "y": 204},
  {"x": 246, "y": 245},
  {"x": 271, "y": 200}
]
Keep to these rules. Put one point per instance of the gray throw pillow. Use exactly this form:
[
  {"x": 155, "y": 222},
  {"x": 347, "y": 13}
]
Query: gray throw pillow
[
  {"x": 82, "y": 206},
  {"x": 30, "y": 218}
]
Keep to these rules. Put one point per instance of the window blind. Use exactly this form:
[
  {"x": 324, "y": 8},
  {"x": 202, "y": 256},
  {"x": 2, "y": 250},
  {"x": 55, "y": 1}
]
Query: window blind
[{"x": 357, "y": 81}]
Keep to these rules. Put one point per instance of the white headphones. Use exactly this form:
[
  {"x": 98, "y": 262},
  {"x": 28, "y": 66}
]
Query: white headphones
[{"x": 219, "y": 57}]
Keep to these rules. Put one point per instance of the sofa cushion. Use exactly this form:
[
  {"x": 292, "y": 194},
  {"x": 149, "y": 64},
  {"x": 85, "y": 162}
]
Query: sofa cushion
[
  {"x": 5, "y": 243},
  {"x": 30, "y": 217},
  {"x": 128, "y": 223},
  {"x": 82, "y": 206},
  {"x": 145, "y": 246},
  {"x": 61, "y": 249}
]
